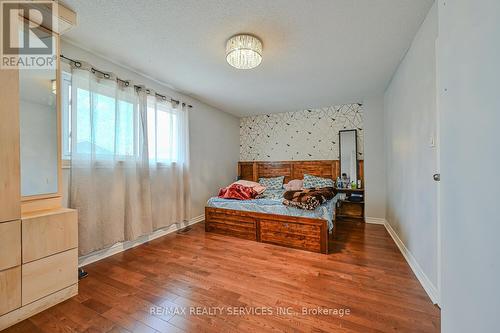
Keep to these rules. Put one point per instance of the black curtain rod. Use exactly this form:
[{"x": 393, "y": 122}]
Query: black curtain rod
[{"x": 107, "y": 76}]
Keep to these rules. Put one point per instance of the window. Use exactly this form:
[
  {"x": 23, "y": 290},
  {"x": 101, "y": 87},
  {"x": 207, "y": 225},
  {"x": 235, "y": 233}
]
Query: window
[
  {"x": 66, "y": 115},
  {"x": 162, "y": 132},
  {"x": 108, "y": 131},
  {"x": 111, "y": 131}
]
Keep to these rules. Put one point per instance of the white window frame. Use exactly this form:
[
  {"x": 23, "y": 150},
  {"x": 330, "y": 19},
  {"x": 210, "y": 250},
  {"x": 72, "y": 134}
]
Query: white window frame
[
  {"x": 66, "y": 115},
  {"x": 67, "y": 135}
]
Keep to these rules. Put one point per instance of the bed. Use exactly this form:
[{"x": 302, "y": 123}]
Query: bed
[{"x": 267, "y": 220}]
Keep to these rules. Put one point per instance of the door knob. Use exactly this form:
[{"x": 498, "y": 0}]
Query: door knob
[{"x": 437, "y": 177}]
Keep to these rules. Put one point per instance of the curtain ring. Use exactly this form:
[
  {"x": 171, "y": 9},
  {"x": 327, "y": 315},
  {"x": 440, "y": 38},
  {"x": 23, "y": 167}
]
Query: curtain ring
[
  {"x": 127, "y": 83},
  {"x": 78, "y": 64},
  {"x": 106, "y": 76}
]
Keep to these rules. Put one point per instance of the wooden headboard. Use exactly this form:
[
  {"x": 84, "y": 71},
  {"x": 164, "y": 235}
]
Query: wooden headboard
[{"x": 293, "y": 169}]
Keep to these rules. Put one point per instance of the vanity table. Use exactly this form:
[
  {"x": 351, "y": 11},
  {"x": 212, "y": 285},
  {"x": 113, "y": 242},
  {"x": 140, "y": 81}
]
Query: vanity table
[{"x": 38, "y": 237}]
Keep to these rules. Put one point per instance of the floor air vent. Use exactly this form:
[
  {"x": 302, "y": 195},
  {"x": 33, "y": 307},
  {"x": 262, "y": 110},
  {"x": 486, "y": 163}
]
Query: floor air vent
[{"x": 184, "y": 230}]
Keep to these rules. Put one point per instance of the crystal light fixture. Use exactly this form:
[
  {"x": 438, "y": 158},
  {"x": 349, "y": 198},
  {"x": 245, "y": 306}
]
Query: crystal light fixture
[{"x": 244, "y": 51}]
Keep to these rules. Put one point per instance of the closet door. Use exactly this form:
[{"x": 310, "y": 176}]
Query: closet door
[{"x": 9, "y": 146}]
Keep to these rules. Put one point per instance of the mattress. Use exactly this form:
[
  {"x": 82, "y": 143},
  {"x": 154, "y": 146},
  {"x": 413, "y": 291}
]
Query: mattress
[{"x": 270, "y": 202}]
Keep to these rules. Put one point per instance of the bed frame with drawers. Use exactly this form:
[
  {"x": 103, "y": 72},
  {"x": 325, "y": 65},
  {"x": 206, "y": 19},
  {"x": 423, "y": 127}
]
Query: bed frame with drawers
[{"x": 310, "y": 234}]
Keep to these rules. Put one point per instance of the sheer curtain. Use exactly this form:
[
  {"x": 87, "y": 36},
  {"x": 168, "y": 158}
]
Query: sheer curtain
[
  {"x": 168, "y": 163},
  {"x": 129, "y": 160}
]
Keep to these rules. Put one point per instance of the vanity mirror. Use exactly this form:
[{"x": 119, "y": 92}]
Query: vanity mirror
[
  {"x": 348, "y": 151},
  {"x": 38, "y": 118}
]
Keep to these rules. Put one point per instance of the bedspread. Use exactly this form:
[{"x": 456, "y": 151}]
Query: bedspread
[{"x": 275, "y": 206}]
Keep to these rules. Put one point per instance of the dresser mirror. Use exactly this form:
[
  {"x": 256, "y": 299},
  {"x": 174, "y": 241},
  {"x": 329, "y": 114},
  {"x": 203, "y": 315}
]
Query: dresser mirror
[
  {"x": 348, "y": 151},
  {"x": 38, "y": 118}
]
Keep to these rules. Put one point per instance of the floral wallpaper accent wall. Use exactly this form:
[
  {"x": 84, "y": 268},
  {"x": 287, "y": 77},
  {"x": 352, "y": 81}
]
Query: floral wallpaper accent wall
[{"x": 310, "y": 134}]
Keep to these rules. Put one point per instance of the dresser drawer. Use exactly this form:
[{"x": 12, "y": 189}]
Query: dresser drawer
[
  {"x": 10, "y": 244},
  {"x": 231, "y": 223},
  {"x": 10, "y": 289},
  {"x": 296, "y": 235},
  {"x": 290, "y": 227},
  {"x": 48, "y": 275},
  {"x": 45, "y": 234}
]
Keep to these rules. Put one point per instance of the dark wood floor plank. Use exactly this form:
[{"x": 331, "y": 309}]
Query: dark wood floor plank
[
  {"x": 24, "y": 326},
  {"x": 145, "y": 288}
]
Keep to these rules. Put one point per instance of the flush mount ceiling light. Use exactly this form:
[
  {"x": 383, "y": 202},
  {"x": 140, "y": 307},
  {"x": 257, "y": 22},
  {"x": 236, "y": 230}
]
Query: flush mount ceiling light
[{"x": 244, "y": 51}]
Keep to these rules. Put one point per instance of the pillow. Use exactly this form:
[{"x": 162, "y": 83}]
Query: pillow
[
  {"x": 294, "y": 185},
  {"x": 238, "y": 192},
  {"x": 274, "y": 183},
  {"x": 311, "y": 181},
  {"x": 253, "y": 185}
]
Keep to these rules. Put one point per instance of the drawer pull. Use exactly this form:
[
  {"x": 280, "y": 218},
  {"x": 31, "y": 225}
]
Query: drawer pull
[{"x": 285, "y": 225}]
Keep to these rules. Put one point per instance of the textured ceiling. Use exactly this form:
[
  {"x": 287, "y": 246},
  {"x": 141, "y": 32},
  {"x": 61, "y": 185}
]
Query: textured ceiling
[{"x": 316, "y": 52}]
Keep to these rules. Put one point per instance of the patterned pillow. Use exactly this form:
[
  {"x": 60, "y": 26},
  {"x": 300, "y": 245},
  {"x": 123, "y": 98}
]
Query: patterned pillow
[
  {"x": 273, "y": 183},
  {"x": 311, "y": 181},
  {"x": 272, "y": 194}
]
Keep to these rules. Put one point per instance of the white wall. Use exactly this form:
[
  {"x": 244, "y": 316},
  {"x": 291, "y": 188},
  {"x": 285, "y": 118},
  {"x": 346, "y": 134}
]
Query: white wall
[
  {"x": 214, "y": 143},
  {"x": 375, "y": 176},
  {"x": 469, "y": 97},
  {"x": 409, "y": 122},
  {"x": 213, "y": 134}
]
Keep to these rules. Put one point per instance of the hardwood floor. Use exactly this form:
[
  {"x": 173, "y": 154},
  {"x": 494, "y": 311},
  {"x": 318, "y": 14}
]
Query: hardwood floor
[{"x": 364, "y": 274}]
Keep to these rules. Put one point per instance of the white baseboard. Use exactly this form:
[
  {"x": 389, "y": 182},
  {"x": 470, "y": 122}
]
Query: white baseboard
[
  {"x": 428, "y": 286},
  {"x": 374, "y": 220},
  {"x": 122, "y": 246}
]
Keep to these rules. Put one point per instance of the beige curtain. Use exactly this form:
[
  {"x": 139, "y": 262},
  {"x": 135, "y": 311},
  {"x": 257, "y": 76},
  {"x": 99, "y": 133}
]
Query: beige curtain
[{"x": 129, "y": 160}]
